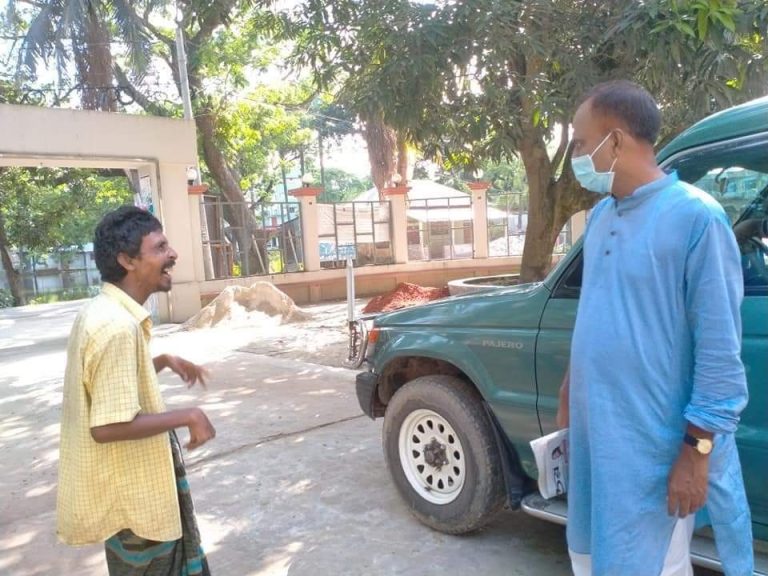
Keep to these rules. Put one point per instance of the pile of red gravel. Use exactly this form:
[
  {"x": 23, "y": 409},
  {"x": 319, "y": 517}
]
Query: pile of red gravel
[{"x": 403, "y": 296}]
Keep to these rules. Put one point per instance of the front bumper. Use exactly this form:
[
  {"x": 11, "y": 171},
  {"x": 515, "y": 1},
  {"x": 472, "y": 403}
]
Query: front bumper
[{"x": 365, "y": 385}]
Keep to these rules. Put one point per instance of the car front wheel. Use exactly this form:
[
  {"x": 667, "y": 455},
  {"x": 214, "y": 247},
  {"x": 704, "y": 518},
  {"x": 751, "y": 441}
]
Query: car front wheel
[{"x": 442, "y": 454}]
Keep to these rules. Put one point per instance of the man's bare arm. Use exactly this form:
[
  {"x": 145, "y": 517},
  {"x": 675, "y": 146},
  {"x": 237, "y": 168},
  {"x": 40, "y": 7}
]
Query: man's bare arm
[
  {"x": 145, "y": 425},
  {"x": 190, "y": 372}
]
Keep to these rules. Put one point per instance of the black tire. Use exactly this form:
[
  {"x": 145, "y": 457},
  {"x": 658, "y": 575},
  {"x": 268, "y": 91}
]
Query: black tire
[{"x": 482, "y": 494}]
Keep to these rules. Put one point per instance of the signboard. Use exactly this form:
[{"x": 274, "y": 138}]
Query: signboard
[{"x": 330, "y": 253}]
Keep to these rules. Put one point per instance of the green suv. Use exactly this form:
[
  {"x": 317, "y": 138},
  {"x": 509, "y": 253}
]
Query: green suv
[{"x": 464, "y": 384}]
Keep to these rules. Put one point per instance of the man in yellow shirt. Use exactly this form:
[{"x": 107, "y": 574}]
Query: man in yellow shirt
[{"x": 121, "y": 474}]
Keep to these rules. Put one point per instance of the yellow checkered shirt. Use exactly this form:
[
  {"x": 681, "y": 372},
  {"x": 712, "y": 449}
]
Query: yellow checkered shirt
[{"x": 110, "y": 378}]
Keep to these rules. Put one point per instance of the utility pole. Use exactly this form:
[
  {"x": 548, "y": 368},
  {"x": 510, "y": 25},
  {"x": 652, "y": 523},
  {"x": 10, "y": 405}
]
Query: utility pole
[
  {"x": 181, "y": 57},
  {"x": 321, "y": 153}
]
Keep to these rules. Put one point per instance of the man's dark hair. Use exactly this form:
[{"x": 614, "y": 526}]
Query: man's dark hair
[
  {"x": 630, "y": 103},
  {"x": 121, "y": 230}
]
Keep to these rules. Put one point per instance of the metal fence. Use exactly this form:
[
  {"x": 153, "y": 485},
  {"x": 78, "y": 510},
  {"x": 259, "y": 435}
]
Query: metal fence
[
  {"x": 508, "y": 222},
  {"x": 66, "y": 272},
  {"x": 440, "y": 228},
  {"x": 358, "y": 230},
  {"x": 252, "y": 238}
]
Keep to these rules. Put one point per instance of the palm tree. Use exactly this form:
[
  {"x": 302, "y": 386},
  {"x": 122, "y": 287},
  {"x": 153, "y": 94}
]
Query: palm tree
[
  {"x": 83, "y": 32},
  {"x": 86, "y": 30}
]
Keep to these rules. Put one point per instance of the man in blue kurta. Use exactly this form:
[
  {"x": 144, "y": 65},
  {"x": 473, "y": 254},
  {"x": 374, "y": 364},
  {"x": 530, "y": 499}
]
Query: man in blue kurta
[{"x": 656, "y": 383}]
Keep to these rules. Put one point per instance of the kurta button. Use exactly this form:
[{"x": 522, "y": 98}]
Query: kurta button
[
  {"x": 621, "y": 213},
  {"x": 607, "y": 252},
  {"x": 613, "y": 232}
]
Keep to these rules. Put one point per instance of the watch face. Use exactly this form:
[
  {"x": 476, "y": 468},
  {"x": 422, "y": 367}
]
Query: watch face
[{"x": 704, "y": 446}]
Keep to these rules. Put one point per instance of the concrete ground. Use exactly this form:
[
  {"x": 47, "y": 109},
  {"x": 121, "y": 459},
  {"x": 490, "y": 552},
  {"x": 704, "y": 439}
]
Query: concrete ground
[{"x": 294, "y": 483}]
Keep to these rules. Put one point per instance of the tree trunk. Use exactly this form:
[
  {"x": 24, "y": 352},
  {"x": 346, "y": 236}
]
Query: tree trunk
[
  {"x": 221, "y": 172},
  {"x": 64, "y": 259},
  {"x": 14, "y": 278},
  {"x": 321, "y": 160},
  {"x": 551, "y": 203},
  {"x": 402, "y": 158},
  {"x": 284, "y": 178},
  {"x": 242, "y": 220},
  {"x": 93, "y": 59},
  {"x": 571, "y": 197},
  {"x": 539, "y": 236},
  {"x": 382, "y": 147}
]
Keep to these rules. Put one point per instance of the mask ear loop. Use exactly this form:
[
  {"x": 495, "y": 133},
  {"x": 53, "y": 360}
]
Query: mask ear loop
[
  {"x": 601, "y": 144},
  {"x": 610, "y": 170},
  {"x": 617, "y": 157}
]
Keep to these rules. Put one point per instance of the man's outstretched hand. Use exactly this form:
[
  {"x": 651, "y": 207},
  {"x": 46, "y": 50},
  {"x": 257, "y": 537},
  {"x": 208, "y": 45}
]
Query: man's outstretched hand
[{"x": 190, "y": 372}]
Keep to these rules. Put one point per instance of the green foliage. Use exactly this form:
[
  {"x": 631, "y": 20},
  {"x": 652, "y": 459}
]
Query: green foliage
[
  {"x": 477, "y": 81},
  {"x": 58, "y": 30},
  {"x": 6, "y": 299},
  {"x": 508, "y": 176},
  {"x": 262, "y": 133},
  {"x": 44, "y": 209},
  {"x": 231, "y": 57},
  {"x": 341, "y": 186},
  {"x": 696, "y": 56},
  {"x": 505, "y": 177},
  {"x": 473, "y": 80},
  {"x": 275, "y": 262},
  {"x": 65, "y": 295},
  {"x": 331, "y": 119}
]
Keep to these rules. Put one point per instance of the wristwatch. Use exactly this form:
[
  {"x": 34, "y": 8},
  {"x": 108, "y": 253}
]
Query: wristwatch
[{"x": 702, "y": 445}]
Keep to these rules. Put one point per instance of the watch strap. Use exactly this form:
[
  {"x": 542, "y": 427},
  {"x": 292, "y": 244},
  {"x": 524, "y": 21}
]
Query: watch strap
[
  {"x": 701, "y": 445},
  {"x": 691, "y": 440}
]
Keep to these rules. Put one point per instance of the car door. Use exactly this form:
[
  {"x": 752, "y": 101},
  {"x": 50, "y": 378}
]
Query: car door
[{"x": 553, "y": 345}]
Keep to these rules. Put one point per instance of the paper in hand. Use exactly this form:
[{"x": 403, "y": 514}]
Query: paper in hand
[{"x": 551, "y": 453}]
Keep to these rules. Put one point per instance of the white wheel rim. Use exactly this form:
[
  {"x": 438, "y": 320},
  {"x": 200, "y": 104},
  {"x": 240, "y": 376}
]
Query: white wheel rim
[{"x": 431, "y": 456}]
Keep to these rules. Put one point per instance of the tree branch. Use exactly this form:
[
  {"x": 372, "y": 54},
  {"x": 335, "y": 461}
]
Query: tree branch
[
  {"x": 562, "y": 147},
  {"x": 170, "y": 60},
  {"x": 213, "y": 20},
  {"x": 140, "y": 98},
  {"x": 144, "y": 19},
  {"x": 35, "y": 4}
]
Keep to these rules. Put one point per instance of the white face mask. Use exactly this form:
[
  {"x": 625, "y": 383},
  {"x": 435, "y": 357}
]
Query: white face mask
[{"x": 585, "y": 172}]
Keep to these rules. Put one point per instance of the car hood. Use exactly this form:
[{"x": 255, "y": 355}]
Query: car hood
[{"x": 515, "y": 305}]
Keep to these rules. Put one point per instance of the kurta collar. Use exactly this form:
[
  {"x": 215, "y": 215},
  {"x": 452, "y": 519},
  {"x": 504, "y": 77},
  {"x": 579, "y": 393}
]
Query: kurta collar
[
  {"x": 134, "y": 308},
  {"x": 646, "y": 191}
]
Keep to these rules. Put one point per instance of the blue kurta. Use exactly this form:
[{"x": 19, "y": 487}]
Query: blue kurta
[{"x": 656, "y": 345}]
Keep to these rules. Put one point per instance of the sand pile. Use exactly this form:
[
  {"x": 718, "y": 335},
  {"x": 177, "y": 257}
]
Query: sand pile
[
  {"x": 261, "y": 303},
  {"x": 404, "y": 295}
]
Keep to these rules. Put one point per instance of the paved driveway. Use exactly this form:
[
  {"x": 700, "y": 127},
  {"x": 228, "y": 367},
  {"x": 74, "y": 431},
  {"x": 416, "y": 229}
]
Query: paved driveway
[{"x": 294, "y": 484}]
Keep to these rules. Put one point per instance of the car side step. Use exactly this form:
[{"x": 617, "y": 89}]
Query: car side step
[{"x": 703, "y": 552}]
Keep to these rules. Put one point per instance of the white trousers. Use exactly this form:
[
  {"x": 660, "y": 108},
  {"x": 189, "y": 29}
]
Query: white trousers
[{"x": 676, "y": 563}]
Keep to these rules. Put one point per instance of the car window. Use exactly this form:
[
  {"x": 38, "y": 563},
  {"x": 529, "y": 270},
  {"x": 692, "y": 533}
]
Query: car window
[
  {"x": 569, "y": 285},
  {"x": 735, "y": 173}
]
